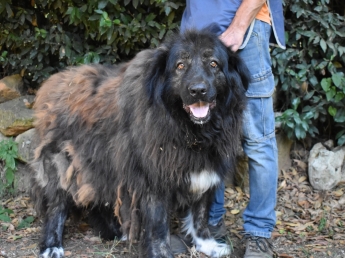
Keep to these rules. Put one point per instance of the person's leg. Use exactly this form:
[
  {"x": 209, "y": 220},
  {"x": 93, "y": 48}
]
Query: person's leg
[
  {"x": 217, "y": 209},
  {"x": 259, "y": 142},
  {"x": 260, "y": 146}
]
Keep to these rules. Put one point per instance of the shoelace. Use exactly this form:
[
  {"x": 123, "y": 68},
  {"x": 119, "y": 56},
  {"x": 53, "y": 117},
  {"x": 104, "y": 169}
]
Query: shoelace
[{"x": 260, "y": 242}]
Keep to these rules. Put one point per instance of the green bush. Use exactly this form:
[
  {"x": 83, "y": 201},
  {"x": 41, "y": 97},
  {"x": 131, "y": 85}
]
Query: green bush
[
  {"x": 310, "y": 71},
  {"x": 8, "y": 155},
  {"x": 40, "y": 37}
]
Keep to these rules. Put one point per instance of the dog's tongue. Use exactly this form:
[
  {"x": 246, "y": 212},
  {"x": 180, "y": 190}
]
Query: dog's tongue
[{"x": 199, "y": 109}]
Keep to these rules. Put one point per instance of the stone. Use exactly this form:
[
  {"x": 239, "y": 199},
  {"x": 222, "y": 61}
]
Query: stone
[
  {"x": 284, "y": 145},
  {"x": 242, "y": 174},
  {"x": 325, "y": 166},
  {"x": 26, "y": 145},
  {"x": 22, "y": 179},
  {"x": 15, "y": 117},
  {"x": 3, "y": 137},
  {"x": 11, "y": 87}
]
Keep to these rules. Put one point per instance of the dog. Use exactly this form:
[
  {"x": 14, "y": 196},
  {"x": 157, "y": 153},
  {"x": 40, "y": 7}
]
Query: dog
[{"x": 133, "y": 143}]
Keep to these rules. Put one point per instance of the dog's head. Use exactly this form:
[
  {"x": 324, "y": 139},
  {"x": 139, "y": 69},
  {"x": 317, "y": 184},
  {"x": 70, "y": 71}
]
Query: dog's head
[{"x": 196, "y": 71}]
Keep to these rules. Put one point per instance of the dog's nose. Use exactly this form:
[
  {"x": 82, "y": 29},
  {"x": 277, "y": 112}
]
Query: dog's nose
[{"x": 198, "y": 90}]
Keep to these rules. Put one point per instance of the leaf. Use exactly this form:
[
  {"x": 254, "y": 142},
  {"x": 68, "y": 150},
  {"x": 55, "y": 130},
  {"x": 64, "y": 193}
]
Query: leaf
[
  {"x": 102, "y": 4},
  {"x": 295, "y": 103},
  {"x": 302, "y": 178},
  {"x": 135, "y": 3},
  {"x": 323, "y": 45},
  {"x": 234, "y": 212},
  {"x": 339, "y": 96},
  {"x": 341, "y": 140},
  {"x": 14, "y": 237},
  {"x": 9, "y": 176},
  {"x": 9, "y": 11},
  {"x": 332, "y": 110},
  {"x": 326, "y": 84},
  {"x": 338, "y": 193},
  {"x": 5, "y": 218},
  {"x": 300, "y": 132},
  {"x": 26, "y": 222},
  {"x": 340, "y": 116},
  {"x": 337, "y": 78}
]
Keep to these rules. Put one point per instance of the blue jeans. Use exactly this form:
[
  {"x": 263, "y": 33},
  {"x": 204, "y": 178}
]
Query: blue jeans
[{"x": 259, "y": 142}]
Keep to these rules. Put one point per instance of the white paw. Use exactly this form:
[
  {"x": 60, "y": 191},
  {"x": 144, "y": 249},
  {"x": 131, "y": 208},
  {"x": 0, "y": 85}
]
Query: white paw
[
  {"x": 124, "y": 238},
  {"x": 212, "y": 248},
  {"x": 53, "y": 252}
]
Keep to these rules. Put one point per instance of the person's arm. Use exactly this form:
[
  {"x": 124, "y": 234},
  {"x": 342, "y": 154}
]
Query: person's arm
[{"x": 233, "y": 36}]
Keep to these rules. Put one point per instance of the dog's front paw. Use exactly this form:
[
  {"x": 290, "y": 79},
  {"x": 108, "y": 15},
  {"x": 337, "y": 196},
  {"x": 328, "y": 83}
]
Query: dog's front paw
[
  {"x": 212, "y": 248},
  {"x": 52, "y": 252}
]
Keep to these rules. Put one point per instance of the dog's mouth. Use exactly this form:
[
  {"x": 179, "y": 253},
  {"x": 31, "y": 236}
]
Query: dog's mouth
[{"x": 200, "y": 112}]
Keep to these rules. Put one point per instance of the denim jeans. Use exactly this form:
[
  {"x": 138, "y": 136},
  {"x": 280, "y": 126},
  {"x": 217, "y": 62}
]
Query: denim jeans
[{"x": 259, "y": 142}]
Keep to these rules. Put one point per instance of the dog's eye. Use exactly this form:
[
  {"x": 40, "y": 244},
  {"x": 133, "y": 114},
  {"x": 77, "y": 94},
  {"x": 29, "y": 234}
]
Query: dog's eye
[
  {"x": 180, "y": 66},
  {"x": 214, "y": 64}
]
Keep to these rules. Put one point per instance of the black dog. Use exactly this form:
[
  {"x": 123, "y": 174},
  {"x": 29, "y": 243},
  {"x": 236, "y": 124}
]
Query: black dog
[{"x": 133, "y": 143}]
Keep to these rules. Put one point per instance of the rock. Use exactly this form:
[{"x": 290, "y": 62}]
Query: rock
[
  {"x": 15, "y": 117},
  {"x": 22, "y": 179},
  {"x": 11, "y": 87},
  {"x": 2, "y": 137},
  {"x": 26, "y": 145},
  {"x": 284, "y": 147},
  {"x": 242, "y": 175},
  {"x": 325, "y": 166}
]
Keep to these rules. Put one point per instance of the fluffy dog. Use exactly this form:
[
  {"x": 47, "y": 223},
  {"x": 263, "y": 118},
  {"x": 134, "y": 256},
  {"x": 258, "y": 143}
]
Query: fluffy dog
[{"x": 133, "y": 143}]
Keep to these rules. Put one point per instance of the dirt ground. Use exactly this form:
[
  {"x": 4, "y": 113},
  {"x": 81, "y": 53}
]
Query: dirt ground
[{"x": 310, "y": 224}]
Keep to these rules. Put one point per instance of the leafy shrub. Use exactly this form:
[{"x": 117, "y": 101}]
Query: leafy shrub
[
  {"x": 310, "y": 71},
  {"x": 39, "y": 37},
  {"x": 5, "y": 214},
  {"x": 8, "y": 155}
]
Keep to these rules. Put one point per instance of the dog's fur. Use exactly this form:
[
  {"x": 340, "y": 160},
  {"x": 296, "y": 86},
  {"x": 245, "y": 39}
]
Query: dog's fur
[{"x": 135, "y": 142}]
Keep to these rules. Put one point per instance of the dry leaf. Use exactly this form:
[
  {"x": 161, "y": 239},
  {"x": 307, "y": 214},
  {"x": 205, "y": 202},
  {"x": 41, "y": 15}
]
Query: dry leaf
[
  {"x": 300, "y": 164},
  {"x": 93, "y": 239},
  {"x": 234, "y": 212},
  {"x": 302, "y": 179},
  {"x": 292, "y": 224},
  {"x": 338, "y": 193},
  {"x": 282, "y": 185},
  {"x": 14, "y": 237},
  {"x": 285, "y": 256},
  {"x": 30, "y": 246}
]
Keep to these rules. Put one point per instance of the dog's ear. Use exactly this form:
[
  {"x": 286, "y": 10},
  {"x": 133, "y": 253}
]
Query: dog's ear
[
  {"x": 155, "y": 77},
  {"x": 237, "y": 64},
  {"x": 238, "y": 77}
]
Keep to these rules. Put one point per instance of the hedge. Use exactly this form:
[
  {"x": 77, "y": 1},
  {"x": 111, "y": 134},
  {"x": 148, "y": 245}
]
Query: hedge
[
  {"x": 310, "y": 72},
  {"x": 40, "y": 37}
]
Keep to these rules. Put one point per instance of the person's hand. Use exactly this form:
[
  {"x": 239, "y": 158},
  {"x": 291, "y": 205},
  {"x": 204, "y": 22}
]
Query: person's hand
[
  {"x": 232, "y": 38},
  {"x": 246, "y": 13}
]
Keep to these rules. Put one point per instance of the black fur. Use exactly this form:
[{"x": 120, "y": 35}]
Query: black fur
[{"x": 124, "y": 143}]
